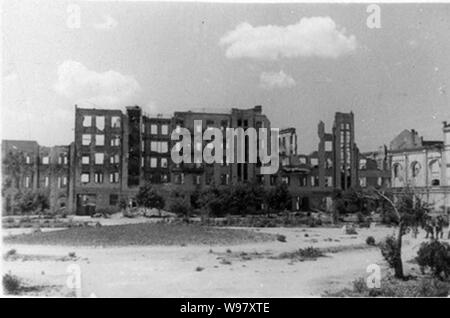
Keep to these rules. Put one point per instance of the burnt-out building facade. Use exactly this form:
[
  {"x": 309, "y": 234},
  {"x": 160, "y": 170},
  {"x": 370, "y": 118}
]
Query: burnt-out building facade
[
  {"x": 29, "y": 167},
  {"x": 198, "y": 173},
  {"x": 312, "y": 179},
  {"x": 100, "y": 168},
  {"x": 148, "y": 140},
  {"x": 374, "y": 169},
  {"x": 115, "y": 152}
]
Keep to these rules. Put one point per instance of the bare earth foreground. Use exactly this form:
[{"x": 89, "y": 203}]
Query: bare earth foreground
[{"x": 216, "y": 263}]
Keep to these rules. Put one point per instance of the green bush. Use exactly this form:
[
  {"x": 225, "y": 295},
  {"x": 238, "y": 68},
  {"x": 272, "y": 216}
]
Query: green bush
[
  {"x": 180, "y": 206},
  {"x": 10, "y": 253},
  {"x": 391, "y": 287},
  {"x": 310, "y": 252},
  {"x": 11, "y": 284},
  {"x": 149, "y": 197},
  {"x": 435, "y": 256},
  {"x": 389, "y": 250},
  {"x": 32, "y": 201},
  {"x": 370, "y": 240}
]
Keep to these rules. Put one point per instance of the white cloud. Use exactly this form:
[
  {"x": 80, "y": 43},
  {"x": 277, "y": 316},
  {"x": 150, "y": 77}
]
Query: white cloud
[
  {"x": 269, "y": 80},
  {"x": 107, "y": 89},
  {"x": 13, "y": 76},
  {"x": 315, "y": 36},
  {"x": 107, "y": 24},
  {"x": 413, "y": 43}
]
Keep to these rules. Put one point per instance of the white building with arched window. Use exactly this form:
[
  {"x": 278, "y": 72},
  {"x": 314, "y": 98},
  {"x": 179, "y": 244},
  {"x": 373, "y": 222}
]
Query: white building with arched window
[{"x": 423, "y": 165}]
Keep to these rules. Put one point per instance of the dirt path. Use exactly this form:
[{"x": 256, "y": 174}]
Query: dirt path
[{"x": 203, "y": 271}]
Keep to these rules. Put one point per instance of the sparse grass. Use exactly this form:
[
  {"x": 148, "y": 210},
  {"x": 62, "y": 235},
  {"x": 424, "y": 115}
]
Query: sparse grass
[
  {"x": 350, "y": 231},
  {"x": 392, "y": 287},
  {"x": 225, "y": 262},
  {"x": 141, "y": 234},
  {"x": 309, "y": 253},
  {"x": 13, "y": 285}
]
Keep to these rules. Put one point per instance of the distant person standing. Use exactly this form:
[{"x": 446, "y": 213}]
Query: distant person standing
[{"x": 439, "y": 225}]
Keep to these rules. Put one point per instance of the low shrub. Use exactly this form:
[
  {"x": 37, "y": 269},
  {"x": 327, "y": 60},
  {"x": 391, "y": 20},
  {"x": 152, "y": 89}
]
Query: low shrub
[
  {"x": 105, "y": 212},
  {"x": 11, "y": 284},
  {"x": 392, "y": 287},
  {"x": 10, "y": 253},
  {"x": 350, "y": 230},
  {"x": 370, "y": 240},
  {"x": 435, "y": 256},
  {"x": 309, "y": 253},
  {"x": 129, "y": 214},
  {"x": 9, "y": 220},
  {"x": 180, "y": 206},
  {"x": 389, "y": 250}
]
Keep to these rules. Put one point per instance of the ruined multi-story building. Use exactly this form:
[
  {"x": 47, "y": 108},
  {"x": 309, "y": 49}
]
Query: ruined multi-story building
[
  {"x": 423, "y": 165},
  {"x": 99, "y": 163},
  {"x": 374, "y": 168},
  {"x": 26, "y": 166},
  {"x": 313, "y": 178},
  {"x": 115, "y": 152}
]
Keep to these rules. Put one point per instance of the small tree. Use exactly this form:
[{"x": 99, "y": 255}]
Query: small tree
[
  {"x": 278, "y": 198},
  {"x": 180, "y": 206},
  {"x": 214, "y": 201},
  {"x": 31, "y": 201},
  {"x": 246, "y": 198},
  {"x": 13, "y": 165},
  {"x": 148, "y": 197},
  {"x": 410, "y": 211}
]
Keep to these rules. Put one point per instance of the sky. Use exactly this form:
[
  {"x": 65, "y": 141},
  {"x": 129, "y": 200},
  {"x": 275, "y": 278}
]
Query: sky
[{"x": 301, "y": 62}]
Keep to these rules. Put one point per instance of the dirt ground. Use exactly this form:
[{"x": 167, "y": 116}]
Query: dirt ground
[{"x": 246, "y": 270}]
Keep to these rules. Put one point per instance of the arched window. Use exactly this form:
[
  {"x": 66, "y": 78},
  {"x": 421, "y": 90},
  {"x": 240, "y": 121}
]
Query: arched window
[
  {"x": 397, "y": 170},
  {"x": 435, "y": 172},
  {"x": 415, "y": 169}
]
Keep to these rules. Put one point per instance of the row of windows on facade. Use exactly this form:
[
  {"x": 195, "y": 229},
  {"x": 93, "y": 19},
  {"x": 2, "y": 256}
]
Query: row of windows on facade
[
  {"x": 156, "y": 129},
  {"x": 225, "y": 180},
  {"x": 223, "y": 124},
  {"x": 100, "y": 121},
  {"x": 416, "y": 168},
  {"x": 86, "y": 140},
  {"x": 153, "y": 162},
  {"x": 99, "y": 159},
  {"x": 99, "y": 176},
  {"x": 45, "y": 160},
  {"x": 363, "y": 181},
  {"x": 209, "y": 124},
  {"x": 61, "y": 182},
  {"x": 313, "y": 161}
]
